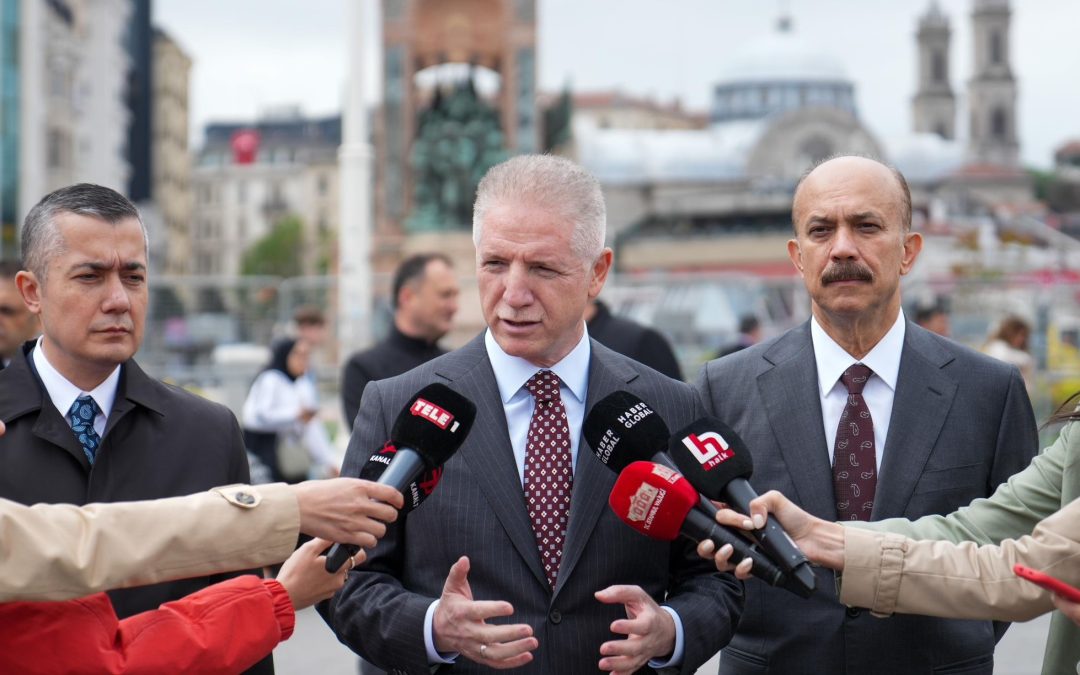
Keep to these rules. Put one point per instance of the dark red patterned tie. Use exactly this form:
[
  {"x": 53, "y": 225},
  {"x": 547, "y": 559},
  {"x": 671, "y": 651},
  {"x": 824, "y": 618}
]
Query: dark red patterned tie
[
  {"x": 549, "y": 473},
  {"x": 854, "y": 458}
]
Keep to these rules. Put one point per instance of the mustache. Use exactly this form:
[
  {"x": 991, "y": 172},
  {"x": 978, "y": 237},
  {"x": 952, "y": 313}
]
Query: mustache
[{"x": 847, "y": 270}]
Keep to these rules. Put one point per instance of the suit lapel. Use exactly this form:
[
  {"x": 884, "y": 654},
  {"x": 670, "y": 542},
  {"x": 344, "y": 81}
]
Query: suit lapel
[
  {"x": 592, "y": 480},
  {"x": 789, "y": 393},
  {"x": 924, "y": 395},
  {"x": 488, "y": 453}
]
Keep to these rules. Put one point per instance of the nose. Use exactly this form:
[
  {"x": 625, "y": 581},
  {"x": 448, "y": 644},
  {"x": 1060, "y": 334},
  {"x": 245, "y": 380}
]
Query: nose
[
  {"x": 117, "y": 300},
  {"x": 517, "y": 292},
  {"x": 843, "y": 244}
]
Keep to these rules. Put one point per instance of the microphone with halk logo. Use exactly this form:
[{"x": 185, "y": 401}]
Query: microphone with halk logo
[
  {"x": 716, "y": 462},
  {"x": 427, "y": 432},
  {"x": 659, "y": 503}
]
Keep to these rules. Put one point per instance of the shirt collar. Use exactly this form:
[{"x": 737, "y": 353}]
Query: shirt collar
[
  {"x": 883, "y": 359},
  {"x": 512, "y": 372},
  {"x": 63, "y": 393}
]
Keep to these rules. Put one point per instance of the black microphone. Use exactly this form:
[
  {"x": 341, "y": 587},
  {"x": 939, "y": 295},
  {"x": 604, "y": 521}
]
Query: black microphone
[
  {"x": 417, "y": 491},
  {"x": 427, "y": 432},
  {"x": 716, "y": 462},
  {"x": 661, "y": 504}
]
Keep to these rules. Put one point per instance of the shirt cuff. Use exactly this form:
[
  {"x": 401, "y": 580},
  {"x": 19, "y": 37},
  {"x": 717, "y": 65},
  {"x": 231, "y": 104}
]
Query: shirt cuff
[
  {"x": 680, "y": 644},
  {"x": 433, "y": 656}
]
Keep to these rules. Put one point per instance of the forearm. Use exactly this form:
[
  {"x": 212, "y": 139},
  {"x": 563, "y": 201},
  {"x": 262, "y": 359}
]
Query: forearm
[{"x": 59, "y": 551}]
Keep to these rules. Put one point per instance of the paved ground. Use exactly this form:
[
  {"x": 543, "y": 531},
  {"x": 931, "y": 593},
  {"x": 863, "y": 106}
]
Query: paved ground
[{"x": 313, "y": 649}]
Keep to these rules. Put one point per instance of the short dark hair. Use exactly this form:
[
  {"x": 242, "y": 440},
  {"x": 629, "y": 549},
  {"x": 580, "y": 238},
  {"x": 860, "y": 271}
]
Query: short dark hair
[
  {"x": 748, "y": 324},
  {"x": 927, "y": 312},
  {"x": 309, "y": 315},
  {"x": 40, "y": 237},
  {"x": 9, "y": 268},
  {"x": 413, "y": 269}
]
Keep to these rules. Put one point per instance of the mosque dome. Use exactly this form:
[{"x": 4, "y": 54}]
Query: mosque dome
[{"x": 778, "y": 73}]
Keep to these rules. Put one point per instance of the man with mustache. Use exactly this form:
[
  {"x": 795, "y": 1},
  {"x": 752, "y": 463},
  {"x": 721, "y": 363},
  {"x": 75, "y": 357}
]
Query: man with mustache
[
  {"x": 860, "y": 414},
  {"x": 84, "y": 423}
]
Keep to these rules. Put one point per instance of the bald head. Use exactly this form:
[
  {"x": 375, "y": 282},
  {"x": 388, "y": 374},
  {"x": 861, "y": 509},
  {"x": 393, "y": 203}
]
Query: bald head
[{"x": 839, "y": 174}]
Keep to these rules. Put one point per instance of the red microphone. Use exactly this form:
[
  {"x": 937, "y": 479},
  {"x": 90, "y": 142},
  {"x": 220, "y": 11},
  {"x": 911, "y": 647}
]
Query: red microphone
[{"x": 659, "y": 503}]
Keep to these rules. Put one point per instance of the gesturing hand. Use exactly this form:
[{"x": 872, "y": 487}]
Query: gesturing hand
[
  {"x": 649, "y": 630},
  {"x": 460, "y": 625}
]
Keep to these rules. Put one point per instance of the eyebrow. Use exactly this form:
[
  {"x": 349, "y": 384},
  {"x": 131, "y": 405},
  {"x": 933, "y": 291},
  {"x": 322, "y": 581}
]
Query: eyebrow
[{"x": 98, "y": 266}]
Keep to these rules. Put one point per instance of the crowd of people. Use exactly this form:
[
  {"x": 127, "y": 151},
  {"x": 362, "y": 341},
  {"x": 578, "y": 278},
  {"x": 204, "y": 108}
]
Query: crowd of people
[{"x": 127, "y": 517}]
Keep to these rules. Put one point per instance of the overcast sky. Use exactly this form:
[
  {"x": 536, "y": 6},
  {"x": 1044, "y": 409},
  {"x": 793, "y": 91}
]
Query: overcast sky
[{"x": 251, "y": 54}]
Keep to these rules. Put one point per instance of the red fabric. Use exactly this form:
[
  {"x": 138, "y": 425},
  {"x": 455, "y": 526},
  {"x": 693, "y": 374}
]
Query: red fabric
[{"x": 224, "y": 628}]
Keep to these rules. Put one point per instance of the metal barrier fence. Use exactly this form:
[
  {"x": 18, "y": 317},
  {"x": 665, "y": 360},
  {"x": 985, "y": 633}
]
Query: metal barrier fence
[{"x": 210, "y": 334}]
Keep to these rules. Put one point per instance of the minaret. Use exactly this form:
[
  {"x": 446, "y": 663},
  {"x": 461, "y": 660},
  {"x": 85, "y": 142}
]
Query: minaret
[
  {"x": 934, "y": 106},
  {"x": 992, "y": 89}
]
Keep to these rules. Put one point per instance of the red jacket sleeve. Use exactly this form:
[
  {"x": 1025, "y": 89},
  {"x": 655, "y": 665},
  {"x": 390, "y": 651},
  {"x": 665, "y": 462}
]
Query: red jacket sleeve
[{"x": 224, "y": 628}]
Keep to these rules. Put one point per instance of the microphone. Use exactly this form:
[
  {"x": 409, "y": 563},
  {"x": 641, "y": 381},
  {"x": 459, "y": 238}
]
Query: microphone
[
  {"x": 427, "y": 432},
  {"x": 659, "y": 503},
  {"x": 622, "y": 429},
  {"x": 716, "y": 462},
  {"x": 417, "y": 491}
]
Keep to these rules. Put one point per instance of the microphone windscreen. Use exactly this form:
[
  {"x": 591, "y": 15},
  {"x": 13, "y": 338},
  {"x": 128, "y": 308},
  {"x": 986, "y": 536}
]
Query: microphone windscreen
[
  {"x": 710, "y": 454},
  {"x": 621, "y": 429},
  {"x": 652, "y": 499},
  {"x": 434, "y": 423},
  {"x": 417, "y": 491}
]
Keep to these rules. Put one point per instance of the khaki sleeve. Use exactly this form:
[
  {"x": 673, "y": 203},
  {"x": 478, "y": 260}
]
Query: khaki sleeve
[
  {"x": 61, "y": 551},
  {"x": 888, "y": 573}
]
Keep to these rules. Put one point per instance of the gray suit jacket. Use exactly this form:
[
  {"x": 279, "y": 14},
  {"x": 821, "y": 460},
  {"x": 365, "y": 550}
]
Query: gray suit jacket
[
  {"x": 961, "y": 424},
  {"x": 479, "y": 510}
]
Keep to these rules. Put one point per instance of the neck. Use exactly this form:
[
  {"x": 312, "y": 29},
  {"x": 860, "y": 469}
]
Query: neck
[
  {"x": 86, "y": 377},
  {"x": 411, "y": 330},
  {"x": 857, "y": 333}
]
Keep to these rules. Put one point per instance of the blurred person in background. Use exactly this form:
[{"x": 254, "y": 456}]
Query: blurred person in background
[
  {"x": 425, "y": 299},
  {"x": 278, "y": 419},
  {"x": 641, "y": 343},
  {"x": 1009, "y": 343},
  {"x": 934, "y": 318},
  {"x": 749, "y": 335},
  {"x": 17, "y": 323}
]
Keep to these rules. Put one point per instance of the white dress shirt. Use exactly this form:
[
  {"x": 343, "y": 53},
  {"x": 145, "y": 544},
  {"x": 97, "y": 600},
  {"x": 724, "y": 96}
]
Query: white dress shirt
[
  {"x": 879, "y": 391},
  {"x": 63, "y": 393},
  {"x": 511, "y": 375}
]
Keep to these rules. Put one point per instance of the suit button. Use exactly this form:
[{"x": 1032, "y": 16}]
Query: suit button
[
  {"x": 555, "y": 616},
  {"x": 245, "y": 498},
  {"x": 853, "y": 612}
]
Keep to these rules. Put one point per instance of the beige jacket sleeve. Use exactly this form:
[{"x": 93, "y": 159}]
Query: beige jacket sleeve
[
  {"x": 889, "y": 573},
  {"x": 61, "y": 551}
]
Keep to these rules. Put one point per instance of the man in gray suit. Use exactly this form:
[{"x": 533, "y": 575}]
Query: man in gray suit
[
  {"x": 470, "y": 580},
  {"x": 861, "y": 414}
]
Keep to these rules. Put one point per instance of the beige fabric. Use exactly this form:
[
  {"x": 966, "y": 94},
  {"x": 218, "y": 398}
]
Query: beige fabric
[
  {"x": 889, "y": 573},
  {"x": 60, "y": 551}
]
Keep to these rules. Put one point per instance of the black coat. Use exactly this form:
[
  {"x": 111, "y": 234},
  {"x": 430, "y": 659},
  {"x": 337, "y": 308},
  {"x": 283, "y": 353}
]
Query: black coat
[
  {"x": 160, "y": 441},
  {"x": 629, "y": 338},
  {"x": 396, "y": 354}
]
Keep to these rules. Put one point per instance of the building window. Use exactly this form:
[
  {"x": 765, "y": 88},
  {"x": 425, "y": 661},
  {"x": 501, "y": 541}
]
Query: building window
[
  {"x": 999, "y": 124},
  {"x": 996, "y": 55},
  {"x": 937, "y": 67}
]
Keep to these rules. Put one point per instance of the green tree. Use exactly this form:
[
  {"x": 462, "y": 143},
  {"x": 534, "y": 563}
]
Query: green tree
[{"x": 278, "y": 253}]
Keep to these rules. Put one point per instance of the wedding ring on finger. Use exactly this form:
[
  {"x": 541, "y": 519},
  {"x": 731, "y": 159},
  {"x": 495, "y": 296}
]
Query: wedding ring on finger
[
  {"x": 483, "y": 651},
  {"x": 352, "y": 563}
]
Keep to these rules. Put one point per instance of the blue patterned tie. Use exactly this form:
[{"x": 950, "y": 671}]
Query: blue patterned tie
[{"x": 81, "y": 418}]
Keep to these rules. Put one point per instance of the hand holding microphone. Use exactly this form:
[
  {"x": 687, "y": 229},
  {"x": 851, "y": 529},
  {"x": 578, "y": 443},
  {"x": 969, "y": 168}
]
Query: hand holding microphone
[
  {"x": 427, "y": 432},
  {"x": 716, "y": 462},
  {"x": 659, "y": 503}
]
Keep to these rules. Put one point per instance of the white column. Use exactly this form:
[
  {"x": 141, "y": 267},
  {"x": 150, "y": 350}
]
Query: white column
[{"x": 355, "y": 160}]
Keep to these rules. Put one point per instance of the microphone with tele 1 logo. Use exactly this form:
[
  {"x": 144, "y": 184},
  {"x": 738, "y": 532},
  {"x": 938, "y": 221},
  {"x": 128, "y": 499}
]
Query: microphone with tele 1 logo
[{"x": 427, "y": 432}]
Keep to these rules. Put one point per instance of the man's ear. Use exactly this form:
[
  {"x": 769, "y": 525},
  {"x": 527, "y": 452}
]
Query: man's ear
[{"x": 30, "y": 290}]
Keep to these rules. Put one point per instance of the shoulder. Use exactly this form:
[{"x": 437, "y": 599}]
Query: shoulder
[
  {"x": 960, "y": 361},
  {"x": 791, "y": 344},
  {"x": 185, "y": 407},
  {"x": 637, "y": 374}
]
